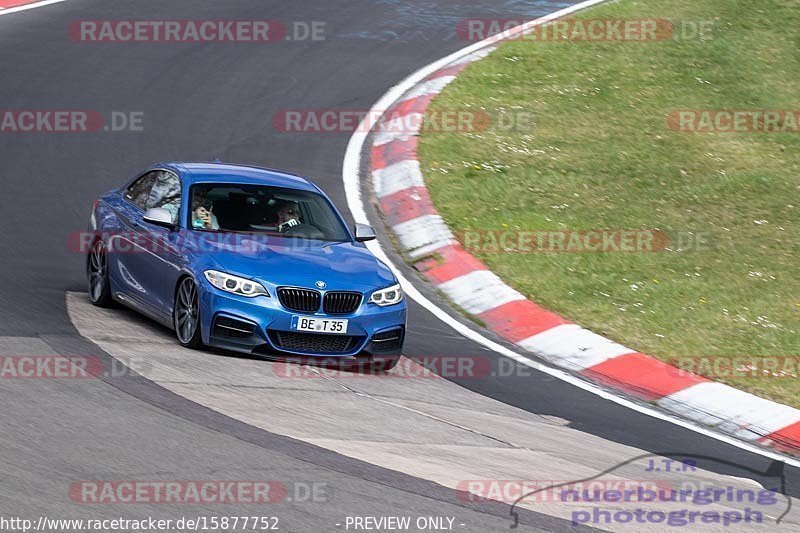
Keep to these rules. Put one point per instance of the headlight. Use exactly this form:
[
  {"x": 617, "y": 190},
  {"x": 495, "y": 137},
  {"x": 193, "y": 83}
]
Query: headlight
[
  {"x": 388, "y": 296},
  {"x": 235, "y": 284}
]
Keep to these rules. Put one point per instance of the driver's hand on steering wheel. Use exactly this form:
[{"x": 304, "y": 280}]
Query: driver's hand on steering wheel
[{"x": 288, "y": 224}]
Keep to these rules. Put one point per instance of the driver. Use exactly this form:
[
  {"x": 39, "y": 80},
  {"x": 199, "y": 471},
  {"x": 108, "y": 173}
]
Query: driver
[{"x": 288, "y": 215}]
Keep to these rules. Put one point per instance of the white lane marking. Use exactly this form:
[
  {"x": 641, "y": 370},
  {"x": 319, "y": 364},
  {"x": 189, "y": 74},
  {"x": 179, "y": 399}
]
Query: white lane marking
[
  {"x": 573, "y": 346},
  {"x": 423, "y": 231},
  {"x": 396, "y": 177},
  {"x": 10, "y": 10},
  {"x": 351, "y": 168},
  {"x": 732, "y": 410},
  {"x": 479, "y": 291}
]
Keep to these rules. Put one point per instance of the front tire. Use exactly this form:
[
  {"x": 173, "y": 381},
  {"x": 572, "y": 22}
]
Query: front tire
[
  {"x": 186, "y": 314},
  {"x": 97, "y": 274}
]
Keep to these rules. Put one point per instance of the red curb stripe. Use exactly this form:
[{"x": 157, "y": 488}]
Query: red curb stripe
[
  {"x": 642, "y": 376},
  {"x": 14, "y": 3},
  {"x": 518, "y": 320},
  {"x": 786, "y": 439},
  {"x": 452, "y": 262},
  {"x": 418, "y": 104},
  {"x": 394, "y": 152},
  {"x": 407, "y": 204}
]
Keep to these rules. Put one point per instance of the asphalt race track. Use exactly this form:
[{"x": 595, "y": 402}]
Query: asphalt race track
[{"x": 201, "y": 101}]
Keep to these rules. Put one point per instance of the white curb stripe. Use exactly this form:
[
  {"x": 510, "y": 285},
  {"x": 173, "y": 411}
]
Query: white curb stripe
[
  {"x": 733, "y": 411},
  {"x": 403, "y": 127},
  {"x": 479, "y": 291},
  {"x": 432, "y": 86},
  {"x": 475, "y": 56},
  {"x": 396, "y": 177},
  {"x": 574, "y": 347},
  {"x": 422, "y": 231},
  {"x": 430, "y": 248}
]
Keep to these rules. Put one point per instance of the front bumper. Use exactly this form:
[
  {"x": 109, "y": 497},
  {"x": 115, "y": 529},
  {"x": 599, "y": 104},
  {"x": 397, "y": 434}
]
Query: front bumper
[{"x": 262, "y": 326}]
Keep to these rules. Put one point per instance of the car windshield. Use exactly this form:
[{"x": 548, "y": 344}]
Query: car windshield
[{"x": 281, "y": 212}]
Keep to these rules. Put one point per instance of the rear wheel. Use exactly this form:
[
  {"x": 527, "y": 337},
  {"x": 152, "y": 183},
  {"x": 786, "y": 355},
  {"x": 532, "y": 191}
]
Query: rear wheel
[
  {"x": 97, "y": 273},
  {"x": 186, "y": 314}
]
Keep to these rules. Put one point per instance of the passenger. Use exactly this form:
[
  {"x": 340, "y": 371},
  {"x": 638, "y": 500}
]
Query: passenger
[{"x": 202, "y": 211}]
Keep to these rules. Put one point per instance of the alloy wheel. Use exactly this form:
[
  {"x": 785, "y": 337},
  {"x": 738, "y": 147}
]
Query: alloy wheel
[
  {"x": 98, "y": 272},
  {"x": 187, "y": 311}
]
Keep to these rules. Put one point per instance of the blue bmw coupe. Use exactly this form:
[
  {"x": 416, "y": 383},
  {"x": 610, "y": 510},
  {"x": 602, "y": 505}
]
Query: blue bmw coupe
[{"x": 245, "y": 259}]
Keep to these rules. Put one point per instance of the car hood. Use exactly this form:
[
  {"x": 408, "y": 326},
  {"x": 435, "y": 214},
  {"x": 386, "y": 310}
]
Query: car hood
[{"x": 277, "y": 262}]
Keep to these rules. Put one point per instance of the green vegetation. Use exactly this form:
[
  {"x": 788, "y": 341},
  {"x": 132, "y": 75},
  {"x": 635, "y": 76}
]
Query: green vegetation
[{"x": 602, "y": 156}]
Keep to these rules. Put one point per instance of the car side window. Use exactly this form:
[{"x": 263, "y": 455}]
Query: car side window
[
  {"x": 139, "y": 191},
  {"x": 166, "y": 194}
]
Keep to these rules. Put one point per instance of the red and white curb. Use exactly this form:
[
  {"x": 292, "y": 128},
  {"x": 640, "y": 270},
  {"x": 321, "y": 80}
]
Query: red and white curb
[
  {"x": 14, "y": 6},
  {"x": 433, "y": 249}
]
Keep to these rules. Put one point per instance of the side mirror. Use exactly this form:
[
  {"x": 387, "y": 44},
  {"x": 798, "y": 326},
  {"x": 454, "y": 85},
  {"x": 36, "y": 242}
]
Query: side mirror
[
  {"x": 364, "y": 233},
  {"x": 160, "y": 217}
]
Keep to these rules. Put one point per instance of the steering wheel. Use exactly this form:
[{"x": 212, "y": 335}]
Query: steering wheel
[{"x": 304, "y": 230}]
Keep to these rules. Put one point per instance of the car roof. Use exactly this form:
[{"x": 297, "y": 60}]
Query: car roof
[{"x": 197, "y": 172}]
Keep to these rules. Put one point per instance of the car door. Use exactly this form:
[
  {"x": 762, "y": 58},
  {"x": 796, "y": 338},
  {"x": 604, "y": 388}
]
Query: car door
[
  {"x": 126, "y": 262},
  {"x": 161, "y": 265}
]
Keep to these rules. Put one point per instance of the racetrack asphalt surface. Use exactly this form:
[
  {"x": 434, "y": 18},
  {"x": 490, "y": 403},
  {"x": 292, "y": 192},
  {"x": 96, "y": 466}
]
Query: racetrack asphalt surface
[{"x": 218, "y": 100}]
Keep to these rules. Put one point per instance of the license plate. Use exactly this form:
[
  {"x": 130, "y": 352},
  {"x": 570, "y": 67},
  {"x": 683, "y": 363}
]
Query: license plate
[{"x": 319, "y": 325}]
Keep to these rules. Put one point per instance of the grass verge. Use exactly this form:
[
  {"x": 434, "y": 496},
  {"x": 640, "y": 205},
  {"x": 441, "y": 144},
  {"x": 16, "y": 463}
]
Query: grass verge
[{"x": 602, "y": 156}]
